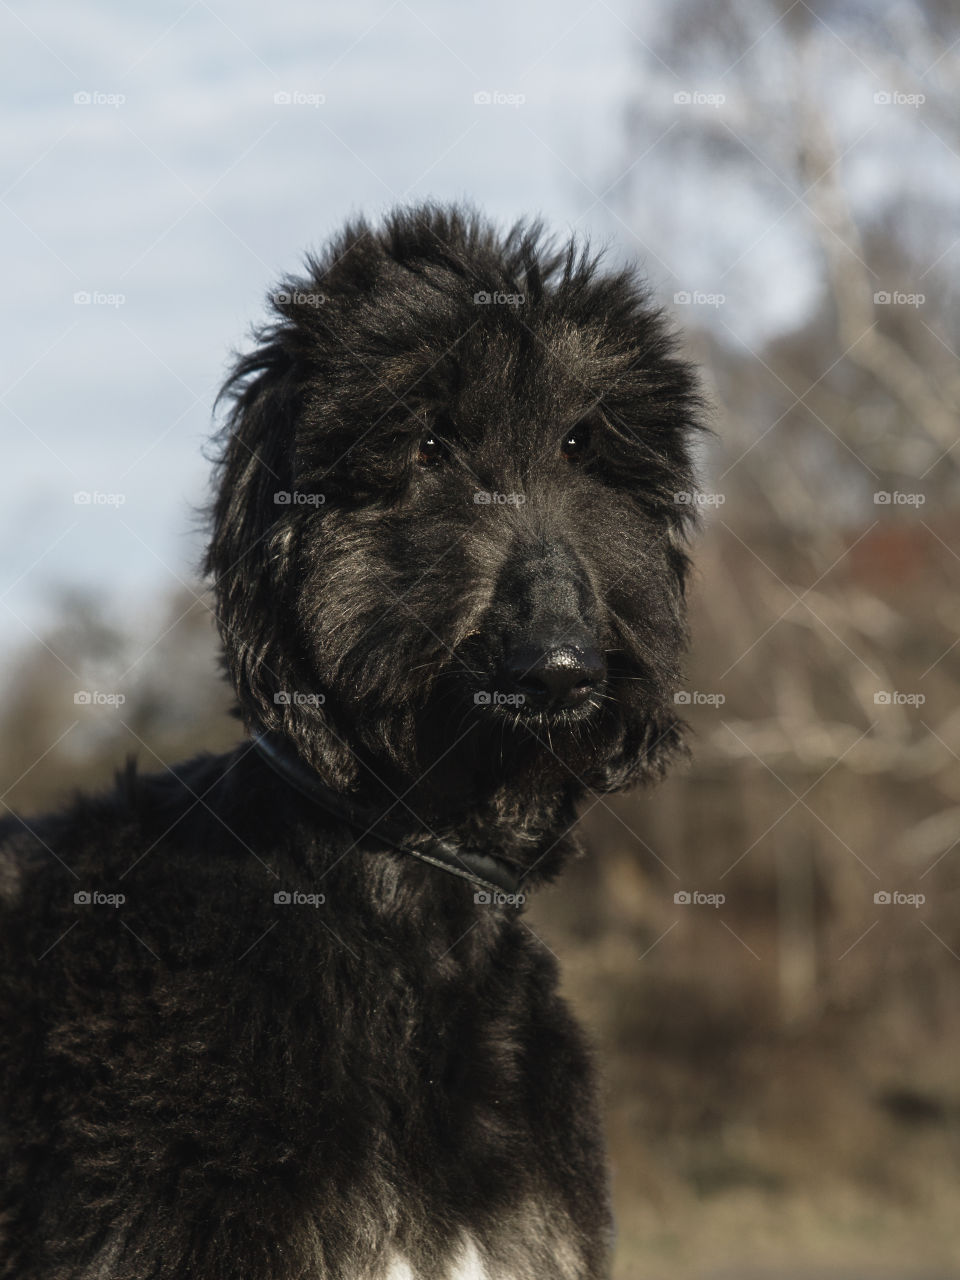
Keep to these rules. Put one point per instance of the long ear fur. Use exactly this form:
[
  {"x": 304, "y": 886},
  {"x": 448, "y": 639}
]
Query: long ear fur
[{"x": 252, "y": 559}]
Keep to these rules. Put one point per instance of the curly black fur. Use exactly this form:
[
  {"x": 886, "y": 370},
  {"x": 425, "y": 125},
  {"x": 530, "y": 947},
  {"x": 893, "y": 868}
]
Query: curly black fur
[{"x": 207, "y": 1083}]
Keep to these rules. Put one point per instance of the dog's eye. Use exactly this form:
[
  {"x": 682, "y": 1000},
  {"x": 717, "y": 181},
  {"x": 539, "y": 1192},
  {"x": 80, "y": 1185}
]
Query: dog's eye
[
  {"x": 574, "y": 444},
  {"x": 431, "y": 451}
]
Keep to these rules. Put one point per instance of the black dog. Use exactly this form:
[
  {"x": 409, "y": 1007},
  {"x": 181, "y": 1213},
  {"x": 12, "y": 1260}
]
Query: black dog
[{"x": 276, "y": 1015}]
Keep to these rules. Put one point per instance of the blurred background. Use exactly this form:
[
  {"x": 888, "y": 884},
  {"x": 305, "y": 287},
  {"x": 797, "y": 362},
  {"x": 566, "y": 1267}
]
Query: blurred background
[{"x": 767, "y": 948}]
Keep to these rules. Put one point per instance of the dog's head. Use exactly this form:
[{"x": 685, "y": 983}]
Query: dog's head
[{"x": 449, "y": 524}]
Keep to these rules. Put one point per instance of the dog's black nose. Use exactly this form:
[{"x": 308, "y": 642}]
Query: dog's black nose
[{"x": 554, "y": 677}]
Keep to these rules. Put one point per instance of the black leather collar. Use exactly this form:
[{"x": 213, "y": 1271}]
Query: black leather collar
[{"x": 481, "y": 869}]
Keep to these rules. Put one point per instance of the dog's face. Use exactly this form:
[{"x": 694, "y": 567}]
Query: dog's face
[{"x": 447, "y": 535}]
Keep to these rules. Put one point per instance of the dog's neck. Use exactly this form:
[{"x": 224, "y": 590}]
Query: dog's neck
[{"x": 498, "y": 865}]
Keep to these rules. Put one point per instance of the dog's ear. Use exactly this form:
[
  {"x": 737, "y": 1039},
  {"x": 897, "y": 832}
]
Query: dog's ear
[
  {"x": 653, "y": 735},
  {"x": 252, "y": 557}
]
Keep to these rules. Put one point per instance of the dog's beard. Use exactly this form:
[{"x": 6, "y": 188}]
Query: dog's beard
[
  {"x": 450, "y": 735},
  {"x": 470, "y": 749}
]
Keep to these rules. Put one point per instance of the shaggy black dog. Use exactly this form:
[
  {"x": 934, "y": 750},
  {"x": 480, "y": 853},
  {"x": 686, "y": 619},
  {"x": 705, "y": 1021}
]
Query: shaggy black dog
[{"x": 276, "y": 1014}]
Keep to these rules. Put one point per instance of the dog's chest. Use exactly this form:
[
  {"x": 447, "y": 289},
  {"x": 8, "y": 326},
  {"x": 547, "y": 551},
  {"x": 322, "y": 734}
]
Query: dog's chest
[
  {"x": 538, "y": 1244},
  {"x": 467, "y": 1266},
  {"x": 467, "y": 1145}
]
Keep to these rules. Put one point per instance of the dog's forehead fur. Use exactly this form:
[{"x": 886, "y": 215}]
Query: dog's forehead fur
[{"x": 438, "y": 319}]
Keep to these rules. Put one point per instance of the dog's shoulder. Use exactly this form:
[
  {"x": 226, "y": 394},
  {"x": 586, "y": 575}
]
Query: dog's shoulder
[
  {"x": 100, "y": 832},
  {"x": 149, "y": 866}
]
